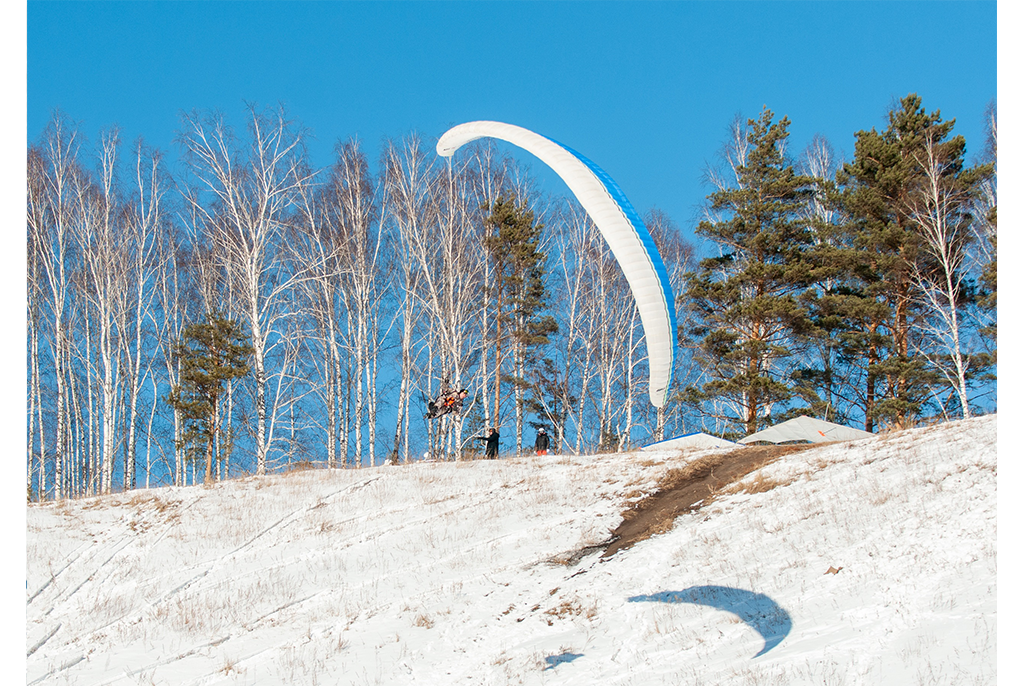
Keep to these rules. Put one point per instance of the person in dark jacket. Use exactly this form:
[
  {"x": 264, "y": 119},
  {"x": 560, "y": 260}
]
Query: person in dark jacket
[
  {"x": 542, "y": 441},
  {"x": 492, "y": 443}
]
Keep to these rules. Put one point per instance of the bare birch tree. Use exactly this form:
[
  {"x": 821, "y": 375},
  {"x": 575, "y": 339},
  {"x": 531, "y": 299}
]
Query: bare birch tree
[
  {"x": 574, "y": 234},
  {"x": 351, "y": 211},
  {"x": 408, "y": 207},
  {"x": 109, "y": 247},
  {"x": 35, "y": 297},
  {"x": 143, "y": 215},
  {"x": 939, "y": 207},
  {"x": 253, "y": 189},
  {"x": 316, "y": 244},
  {"x": 53, "y": 168},
  {"x": 450, "y": 262},
  {"x": 595, "y": 317},
  {"x": 612, "y": 318},
  {"x": 168, "y": 320}
]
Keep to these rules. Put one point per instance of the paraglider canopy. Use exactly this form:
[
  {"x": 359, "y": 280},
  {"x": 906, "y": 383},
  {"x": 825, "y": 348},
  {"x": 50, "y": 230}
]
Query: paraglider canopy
[{"x": 618, "y": 222}]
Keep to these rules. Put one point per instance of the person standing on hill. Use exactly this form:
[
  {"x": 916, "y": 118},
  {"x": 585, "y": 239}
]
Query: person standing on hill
[
  {"x": 492, "y": 443},
  {"x": 542, "y": 441}
]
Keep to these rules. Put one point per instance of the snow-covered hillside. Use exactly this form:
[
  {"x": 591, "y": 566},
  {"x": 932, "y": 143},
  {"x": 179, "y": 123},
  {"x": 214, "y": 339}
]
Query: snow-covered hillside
[{"x": 465, "y": 574}]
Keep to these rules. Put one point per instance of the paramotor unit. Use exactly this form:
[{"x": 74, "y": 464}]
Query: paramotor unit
[{"x": 446, "y": 403}]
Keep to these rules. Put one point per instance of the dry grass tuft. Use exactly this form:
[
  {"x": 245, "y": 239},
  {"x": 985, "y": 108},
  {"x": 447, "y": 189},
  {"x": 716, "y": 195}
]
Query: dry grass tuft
[
  {"x": 565, "y": 559},
  {"x": 230, "y": 667},
  {"x": 568, "y": 609},
  {"x": 698, "y": 469},
  {"x": 423, "y": 620},
  {"x": 760, "y": 483},
  {"x": 881, "y": 497},
  {"x": 821, "y": 463},
  {"x": 153, "y": 503},
  {"x": 300, "y": 466}
]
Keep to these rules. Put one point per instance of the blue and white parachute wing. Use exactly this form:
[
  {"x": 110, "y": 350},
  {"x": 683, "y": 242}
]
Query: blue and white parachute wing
[{"x": 618, "y": 222}]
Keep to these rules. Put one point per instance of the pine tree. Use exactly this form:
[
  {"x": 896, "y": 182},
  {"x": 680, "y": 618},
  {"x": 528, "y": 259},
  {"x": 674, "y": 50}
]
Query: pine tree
[
  {"x": 823, "y": 380},
  {"x": 985, "y": 225},
  {"x": 210, "y": 353},
  {"x": 887, "y": 252},
  {"x": 838, "y": 332},
  {"x": 746, "y": 300},
  {"x": 519, "y": 297}
]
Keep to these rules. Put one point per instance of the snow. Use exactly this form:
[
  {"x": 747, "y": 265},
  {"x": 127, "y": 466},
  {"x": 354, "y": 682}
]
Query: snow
[{"x": 463, "y": 573}]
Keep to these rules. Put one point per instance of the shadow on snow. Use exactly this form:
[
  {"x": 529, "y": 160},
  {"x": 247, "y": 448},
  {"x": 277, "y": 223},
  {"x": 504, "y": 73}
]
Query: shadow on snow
[
  {"x": 757, "y": 610},
  {"x": 555, "y": 660}
]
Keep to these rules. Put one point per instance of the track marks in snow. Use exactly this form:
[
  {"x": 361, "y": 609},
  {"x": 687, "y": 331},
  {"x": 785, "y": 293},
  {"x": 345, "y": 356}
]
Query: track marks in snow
[{"x": 428, "y": 542}]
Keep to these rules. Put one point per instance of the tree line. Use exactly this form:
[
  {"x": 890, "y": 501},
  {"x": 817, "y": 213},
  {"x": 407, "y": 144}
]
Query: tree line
[
  {"x": 853, "y": 291},
  {"x": 858, "y": 292}
]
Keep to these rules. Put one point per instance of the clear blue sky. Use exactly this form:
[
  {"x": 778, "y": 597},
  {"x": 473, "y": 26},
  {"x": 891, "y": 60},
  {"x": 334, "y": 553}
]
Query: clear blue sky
[{"x": 645, "y": 89}]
